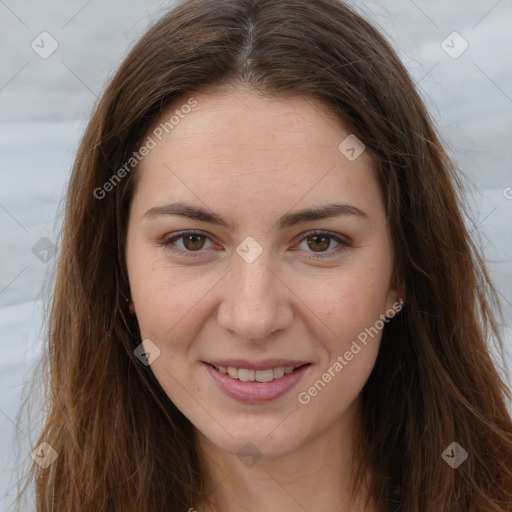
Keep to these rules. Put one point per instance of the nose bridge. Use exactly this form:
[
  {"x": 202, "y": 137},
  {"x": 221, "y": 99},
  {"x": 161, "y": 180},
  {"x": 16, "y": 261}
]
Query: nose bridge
[
  {"x": 253, "y": 282},
  {"x": 254, "y": 302}
]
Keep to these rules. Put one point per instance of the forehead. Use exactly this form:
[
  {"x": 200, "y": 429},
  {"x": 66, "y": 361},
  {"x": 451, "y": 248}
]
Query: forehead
[{"x": 237, "y": 147}]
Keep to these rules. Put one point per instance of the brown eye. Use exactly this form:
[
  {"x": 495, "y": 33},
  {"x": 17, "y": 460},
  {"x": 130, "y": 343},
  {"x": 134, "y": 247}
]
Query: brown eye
[
  {"x": 323, "y": 244},
  {"x": 193, "y": 242},
  {"x": 318, "y": 243},
  {"x": 188, "y": 243}
]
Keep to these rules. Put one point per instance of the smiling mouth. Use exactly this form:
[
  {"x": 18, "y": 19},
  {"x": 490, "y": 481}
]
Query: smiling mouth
[{"x": 249, "y": 375}]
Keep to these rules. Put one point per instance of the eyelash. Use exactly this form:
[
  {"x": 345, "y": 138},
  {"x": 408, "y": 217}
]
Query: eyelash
[{"x": 344, "y": 243}]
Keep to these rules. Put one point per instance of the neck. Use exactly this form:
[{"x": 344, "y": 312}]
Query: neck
[{"x": 317, "y": 476}]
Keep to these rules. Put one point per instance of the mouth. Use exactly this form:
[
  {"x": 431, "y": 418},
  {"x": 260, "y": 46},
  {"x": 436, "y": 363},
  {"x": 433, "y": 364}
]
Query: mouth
[
  {"x": 250, "y": 375},
  {"x": 256, "y": 387}
]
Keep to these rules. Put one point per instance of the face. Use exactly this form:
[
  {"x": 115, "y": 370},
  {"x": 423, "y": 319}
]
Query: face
[{"x": 257, "y": 244}]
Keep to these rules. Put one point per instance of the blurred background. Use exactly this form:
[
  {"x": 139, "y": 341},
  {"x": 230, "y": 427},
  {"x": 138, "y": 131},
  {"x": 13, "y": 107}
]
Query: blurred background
[{"x": 55, "y": 59}]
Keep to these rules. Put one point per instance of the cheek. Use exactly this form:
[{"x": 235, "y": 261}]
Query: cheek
[
  {"x": 350, "y": 306},
  {"x": 170, "y": 305},
  {"x": 159, "y": 300},
  {"x": 344, "y": 303}
]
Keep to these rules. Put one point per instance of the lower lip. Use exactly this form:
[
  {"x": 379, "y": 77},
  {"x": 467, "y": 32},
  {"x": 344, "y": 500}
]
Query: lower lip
[{"x": 256, "y": 392}]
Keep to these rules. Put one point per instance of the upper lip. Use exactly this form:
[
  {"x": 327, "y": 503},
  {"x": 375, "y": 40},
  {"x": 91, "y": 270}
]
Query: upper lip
[{"x": 260, "y": 365}]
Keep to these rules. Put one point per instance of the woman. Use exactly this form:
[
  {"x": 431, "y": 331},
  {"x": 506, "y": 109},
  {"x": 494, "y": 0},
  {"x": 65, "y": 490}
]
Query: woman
[{"x": 266, "y": 294}]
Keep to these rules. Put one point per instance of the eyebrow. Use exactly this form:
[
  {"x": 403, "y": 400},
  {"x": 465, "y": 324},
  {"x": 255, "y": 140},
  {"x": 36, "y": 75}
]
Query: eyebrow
[{"x": 287, "y": 220}]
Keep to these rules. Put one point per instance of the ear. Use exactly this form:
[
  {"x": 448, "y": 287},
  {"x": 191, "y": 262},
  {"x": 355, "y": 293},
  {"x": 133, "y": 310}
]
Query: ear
[
  {"x": 396, "y": 295},
  {"x": 132, "y": 307}
]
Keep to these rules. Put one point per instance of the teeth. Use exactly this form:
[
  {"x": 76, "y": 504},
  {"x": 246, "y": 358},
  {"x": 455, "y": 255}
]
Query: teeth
[
  {"x": 264, "y": 375},
  {"x": 247, "y": 375},
  {"x": 278, "y": 372}
]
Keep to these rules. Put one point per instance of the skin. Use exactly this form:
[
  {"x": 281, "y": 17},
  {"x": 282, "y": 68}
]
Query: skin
[{"x": 252, "y": 159}]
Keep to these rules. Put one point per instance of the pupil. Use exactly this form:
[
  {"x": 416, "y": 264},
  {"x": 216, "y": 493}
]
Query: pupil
[
  {"x": 193, "y": 239},
  {"x": 321, "y": 240},
  {"x": 325, "y": 243}
]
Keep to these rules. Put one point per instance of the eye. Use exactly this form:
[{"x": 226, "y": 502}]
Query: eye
[
  {"x": 192, "y": 242},
  {"x": 317, "y": 243}
]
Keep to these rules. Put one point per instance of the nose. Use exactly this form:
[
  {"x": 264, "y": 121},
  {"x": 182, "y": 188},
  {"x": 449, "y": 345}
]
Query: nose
[{"x": 255, "y": 302}]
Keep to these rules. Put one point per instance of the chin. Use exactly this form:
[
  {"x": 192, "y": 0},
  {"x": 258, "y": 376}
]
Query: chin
[{"x": 266, "y": 440}]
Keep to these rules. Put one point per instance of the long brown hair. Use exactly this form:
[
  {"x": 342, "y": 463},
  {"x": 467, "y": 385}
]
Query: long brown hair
[{"x": 122, "y": 444}]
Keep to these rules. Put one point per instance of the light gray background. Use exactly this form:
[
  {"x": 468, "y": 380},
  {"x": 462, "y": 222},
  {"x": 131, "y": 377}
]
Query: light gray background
[{"x": 45, "y": 103}]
